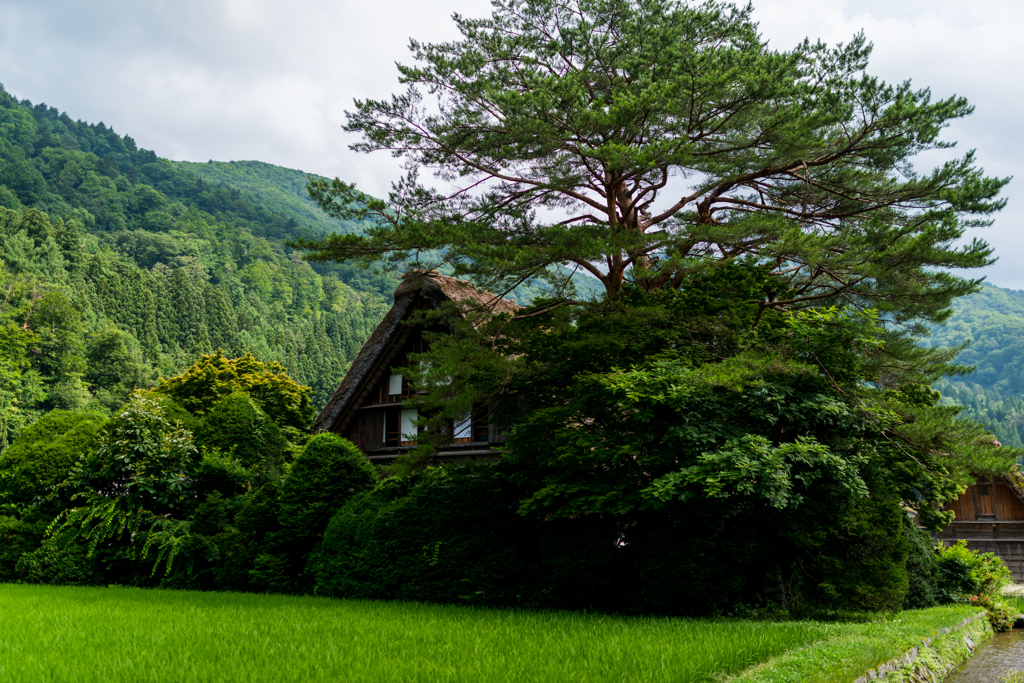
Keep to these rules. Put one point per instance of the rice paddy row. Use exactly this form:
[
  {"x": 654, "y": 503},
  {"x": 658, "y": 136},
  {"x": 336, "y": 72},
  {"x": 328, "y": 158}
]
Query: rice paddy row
[{"x": 119, "y": 634}]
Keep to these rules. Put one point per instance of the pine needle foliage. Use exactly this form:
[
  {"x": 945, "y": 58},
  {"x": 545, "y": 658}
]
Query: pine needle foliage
[{"x": 643, "y": 140}]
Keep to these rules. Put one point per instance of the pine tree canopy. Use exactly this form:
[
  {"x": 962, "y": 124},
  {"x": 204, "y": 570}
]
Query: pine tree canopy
[{"x": 642, "y": 140}]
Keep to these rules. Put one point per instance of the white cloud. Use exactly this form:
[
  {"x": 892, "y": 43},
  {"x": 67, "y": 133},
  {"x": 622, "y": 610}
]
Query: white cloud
[{"x": 270, "y": 80}]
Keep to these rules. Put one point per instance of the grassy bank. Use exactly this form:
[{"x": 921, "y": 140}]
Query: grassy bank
[
  {"x": 850, "y": 649},
  {"x": 113, "y": 635}
]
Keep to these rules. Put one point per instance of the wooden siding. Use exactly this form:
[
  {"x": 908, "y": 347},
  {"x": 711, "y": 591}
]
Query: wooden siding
[
  {"x": 1010, "y": 506},
  {"x": 988, "y": 501},
  {"x": 963, "y": 507},
  {"x": 990, "y": 517}
]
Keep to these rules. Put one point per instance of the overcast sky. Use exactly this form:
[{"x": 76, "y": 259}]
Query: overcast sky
[{"x": 270, "y": 80}]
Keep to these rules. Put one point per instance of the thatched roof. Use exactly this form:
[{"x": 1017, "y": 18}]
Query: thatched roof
[
  {"x": 418, "y": 289},
  {"x": 1015, "y": 480}
]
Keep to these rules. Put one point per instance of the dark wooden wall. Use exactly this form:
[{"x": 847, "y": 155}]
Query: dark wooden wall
[
  {"x": 990, "y": 517},
  {"x": 988, "y": 500}
]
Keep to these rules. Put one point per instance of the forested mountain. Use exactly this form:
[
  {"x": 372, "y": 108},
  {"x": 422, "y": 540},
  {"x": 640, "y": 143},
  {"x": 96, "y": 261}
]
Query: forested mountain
[
  {"x": 283, "y": 192},
  {"x": 121, "y": 266},
  {"x": 992, "y": 323}
]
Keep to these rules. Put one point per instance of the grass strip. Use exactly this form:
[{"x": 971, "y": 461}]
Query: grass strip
[
  {"x": 119, "y": 634},
  {"x": 112, "y": 635},
  {"x": 851, "y": 649}
]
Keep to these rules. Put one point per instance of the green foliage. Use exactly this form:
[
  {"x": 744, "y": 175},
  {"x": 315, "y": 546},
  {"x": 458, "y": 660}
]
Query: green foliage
[
  {"x": 863, "y": 566},
  {"x": 128, "y": 490},
  {"x": 776, "y": 454},
  {"x": 19, "y": 536},
  {"x": 451, "y": 534},
  {"x": 215, "y": 377},
  {"x": 44, "y": 454},
  {"x": 967, "y": 572},
  {"x": 328, "y": 472},
  {"x": 236, "y": 425},
  {"x": 999, "y": 612},
  {"x": 923, "y": 577},
  {"x": 61, "y": 559},
  {"x": 142, "y": 456},
  {"x": 219, "y": 473}
]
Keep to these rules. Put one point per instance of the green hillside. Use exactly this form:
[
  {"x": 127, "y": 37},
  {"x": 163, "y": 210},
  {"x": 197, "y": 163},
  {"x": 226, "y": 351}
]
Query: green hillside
[
  {"x": 991, "y": 322},
  {"x": 279, "y": 190},
  {"x": 282, "y": 191},
  {"x": 120, "y": 267}
]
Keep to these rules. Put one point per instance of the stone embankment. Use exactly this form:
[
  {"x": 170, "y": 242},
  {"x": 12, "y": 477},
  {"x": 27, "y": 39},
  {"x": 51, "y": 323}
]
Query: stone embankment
[{"x": 936, "y": 656}]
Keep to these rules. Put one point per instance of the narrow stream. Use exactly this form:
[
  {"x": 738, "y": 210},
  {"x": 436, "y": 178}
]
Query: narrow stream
[{"x": 996, "y": 656}]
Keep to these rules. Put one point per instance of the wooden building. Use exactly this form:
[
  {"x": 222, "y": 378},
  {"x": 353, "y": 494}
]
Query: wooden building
[
  {"x": 367, "y": 406},
  {"x": 989, "y": 515}
]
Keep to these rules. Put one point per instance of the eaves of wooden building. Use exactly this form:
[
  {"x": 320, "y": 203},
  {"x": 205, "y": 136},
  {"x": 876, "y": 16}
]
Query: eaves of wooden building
[
  {"x": 367, "y": 407},
  {"x": 989, "y": 515}
]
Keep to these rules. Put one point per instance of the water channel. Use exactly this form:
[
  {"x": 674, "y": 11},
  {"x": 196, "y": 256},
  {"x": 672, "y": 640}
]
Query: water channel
[{"x": 996, "y": 656}]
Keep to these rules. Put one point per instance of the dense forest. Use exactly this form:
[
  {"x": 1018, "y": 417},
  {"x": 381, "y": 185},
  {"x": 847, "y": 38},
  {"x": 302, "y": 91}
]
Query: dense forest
[
  {"x": 991, "y": 323},
  {"x": 121, "y": 267}
]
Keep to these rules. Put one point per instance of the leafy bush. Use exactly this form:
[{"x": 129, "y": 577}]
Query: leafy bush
[
  {"x": 135, "y": 491},
  {"x": 965, "y": 572},
  {"x": 454, "y": 535},
  {"x": 236, "y": 425},
  {"x": 864, "y": 565},
  {"x": 922, "y": 568},
  {"x": 62, "y": 559},
  {"x": 328, "y": 472},
  {"x": 44, "y": 453},
  {"x": 1000, "y": 614}
]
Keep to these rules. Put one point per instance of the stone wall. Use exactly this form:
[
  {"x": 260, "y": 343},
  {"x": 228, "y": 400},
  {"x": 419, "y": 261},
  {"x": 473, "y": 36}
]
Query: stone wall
[{"x": 936, "y": 656}]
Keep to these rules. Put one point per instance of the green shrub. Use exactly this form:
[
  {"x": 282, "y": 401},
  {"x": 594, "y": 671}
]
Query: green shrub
[
  {"x": 999, "y": 612},
  {"x": 236, "y": 425},
  {"x": 964, "y": 572},
  {"x": 44, "y": 453},
  {"x": 62, "y": 559},
  {"x": 328, "y": 472},
  {"x": 453, "y": 534},
  {"x": 220, "y": 473},
  {"x": 863, "y": 566}
]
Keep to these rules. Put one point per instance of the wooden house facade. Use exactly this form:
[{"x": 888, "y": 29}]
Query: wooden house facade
[
  {"x": 367, "y": 407},
  {"x": 989, "y": 515}
]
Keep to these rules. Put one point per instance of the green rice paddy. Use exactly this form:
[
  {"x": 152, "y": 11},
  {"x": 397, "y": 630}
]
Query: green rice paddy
[{"x": 118, "y": 634}]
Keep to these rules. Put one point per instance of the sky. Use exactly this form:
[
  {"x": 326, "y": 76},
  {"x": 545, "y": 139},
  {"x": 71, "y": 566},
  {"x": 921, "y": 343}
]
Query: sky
[{"x": 271, "y": 79}]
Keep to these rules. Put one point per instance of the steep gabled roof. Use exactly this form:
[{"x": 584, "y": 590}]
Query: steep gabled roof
[
  {"x": 417, "y": 290},
  {"x": 1015, "y": 480}
]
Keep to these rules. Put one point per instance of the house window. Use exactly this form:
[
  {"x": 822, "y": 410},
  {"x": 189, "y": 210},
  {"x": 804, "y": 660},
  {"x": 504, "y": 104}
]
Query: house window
[
  {"x": 392, "y": 428},
  {"x": 409, "y": 429},
  {"x": 394, "y": 385},
  {"x": 463, "y": 429}
]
